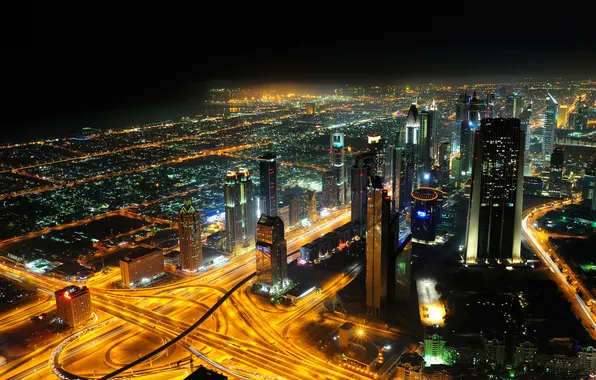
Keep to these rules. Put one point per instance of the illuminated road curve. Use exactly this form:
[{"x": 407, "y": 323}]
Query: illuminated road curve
[{"x": 536, "y": 240}]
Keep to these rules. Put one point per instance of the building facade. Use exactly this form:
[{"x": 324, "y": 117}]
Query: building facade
[
  {"x": 337, "y": 153},
  {"x": 189, "y": 236},
  {"x": 140, "y": 267},
  {"x": 271, "y": 253},
  {"x": 551, "y": 116},
  {"x": 494, "y": 214},
  {"x": 240, "y": 210},
  {"x": 268, "y": 177},
  {"x": 73, "y": 305}
]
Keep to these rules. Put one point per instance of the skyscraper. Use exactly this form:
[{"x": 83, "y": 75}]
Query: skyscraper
[
  {"x": 268, "y": 171},
  {"x": 337, "y": 151},
  {"x": 513, "y": 105},
  {"x": 494, "y": 214},
  {"x": 563, "y": 117},
  {"x": 359, "y": 188},
  {"x": 474, "y": 112},
  {"x": 376, "y": 146},
  {"x": 403, "y": 264},
  {"x": 73, "y": 305},
  {"x": 381, "y": 239},
  {"x": 425, "y": 219},
  {"x": 189, "y": 236},
  {"x": 461, "y": 108},
  {"x": 329, "y": 189},
  {"x": 309, "y": 205},
  {"x": 551, "y": 115},
  {"x": 272, "y": 255},
  {"x": 240, "y": 211},
  {"x": 412, "y": 125},
  {"x": 524, "y": 120},
  {"x": 294, "y": 204},
  {"x": 434, "y": 132},
  {"x": 424, "y": 141},
  {"x": 466, "y": 149}
]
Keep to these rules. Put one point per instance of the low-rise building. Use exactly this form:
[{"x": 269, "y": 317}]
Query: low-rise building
[
  {"x": 73, "y": 305},
  {"x": 139, "y": 267}
]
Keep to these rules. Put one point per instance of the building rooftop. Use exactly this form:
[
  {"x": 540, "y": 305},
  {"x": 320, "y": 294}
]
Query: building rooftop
[
  {"x": 138, "y": 253},
  {"x": 347, "y": 326},
  {"x": 71, "y": 291}
]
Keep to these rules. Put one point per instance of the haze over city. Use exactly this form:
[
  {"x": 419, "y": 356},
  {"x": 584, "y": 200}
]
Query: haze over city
[{"x": 419, "y": 206}]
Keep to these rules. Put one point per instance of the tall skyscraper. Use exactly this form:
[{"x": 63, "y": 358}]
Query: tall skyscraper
[
  {"x": 551, "y": 115},
  {"x": 513, "y": 105},
  {"x": 329, "y": 189},
  {"x": 73, "y": 305},
  {"x": 424, "y": 142},
  {"x": 466, "y": 149},
  {"x": 189, "y": 236},
  {"x": 272, "y": 255},
  {"x": 425, "y": 219},
  {"x": 376, "y": 146},
  {"x": 337, "y": 151},
  {"x": 412, "y": 125},
  {"x": 381, "y": 241},
  {"x": 461, "y": 108},
  {"x": 434, "y": 132},
  {"x": 403, "y": 264},
  {"x": 494, "y": 214},
  {"x": 240, "y": 211},
  {"x": 524, "y": 120},
  {"x": 563, "y": 117},
  {"x": 309, "y": 205},
  {"x": 294, "y": 204},
  {"x": 268, "y": 171},
  {"x": 360, "y": 176},
  {"x": 474, "y": 111}
]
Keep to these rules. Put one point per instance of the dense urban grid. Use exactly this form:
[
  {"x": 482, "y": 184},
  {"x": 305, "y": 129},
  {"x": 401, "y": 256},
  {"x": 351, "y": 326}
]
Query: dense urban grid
[{"x": 372, "y": 232}]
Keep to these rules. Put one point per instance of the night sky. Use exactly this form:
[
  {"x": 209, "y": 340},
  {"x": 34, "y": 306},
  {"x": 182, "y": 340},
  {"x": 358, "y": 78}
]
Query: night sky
[{"x": 66, "y": 89}]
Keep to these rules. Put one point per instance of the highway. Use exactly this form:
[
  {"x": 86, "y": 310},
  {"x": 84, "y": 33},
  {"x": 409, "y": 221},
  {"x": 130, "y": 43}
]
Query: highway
[{"x": 558, "y": 268}]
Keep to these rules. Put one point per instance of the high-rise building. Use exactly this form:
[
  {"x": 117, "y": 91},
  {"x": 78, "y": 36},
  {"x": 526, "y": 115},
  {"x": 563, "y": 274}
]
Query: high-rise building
[
  {"x": 360, "y": 177},
  {"x": 329, "y": 189},
  {"x": 433, "y": 119},
  {"x": 578, "y": 120},
  {"x": 284, "y": 214},
  {"x": 412, "y": 125},
  {"x": 139, "y": 267},
  {"x": 189, "y": 236},
  {"x": 240, "y": 211},
  {"x": 461, "y": 108},
  {"x": 444, "y": 160},
  {"x": 588, "y": 194},
  {"x": 337, "y": 151},
  {"x": 73, "y": 305},
  {"x": 513, "y": 105},
  {"x": 425, "y": 140},
  {"x": 524, "y": 120},
  {"x": 381, "y": 240},
  {"x": 376, "y": 146},
  {"x": 474, "y": 112},
  {"x": 466, "y": 149},
  {"x": 403, "y": 275},
  {"x": 491, "y": 110},
  {"x": 494, "y": 214},
  {"x": 294, "y": 204},
  {"x": 272, "y": 255},
  {"x": 563, "y": 116},
  {"x": 425, "y": 218},
  {"x": 309, "y": 205},
  {"x": 268, "y": 171},
  {"x": 551, "y": 115},
  {"x": 310, "y": 108}
]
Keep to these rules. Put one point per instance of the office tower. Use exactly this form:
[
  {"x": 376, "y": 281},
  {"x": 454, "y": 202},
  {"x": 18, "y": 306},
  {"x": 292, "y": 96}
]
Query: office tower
[
  {"x": 329, "y": 189},
  {"x": 309, "y": 205},
  {"x": 563, "y": 116},
  {"x": 491, "y": 110},
  {"x": 337, "y": 151},
  {"x": 474, "y": 112},
  {"x": 403, "y": 264},
  {"x": 588, "y": 194},
  {"x": 412, "y": 125},
  {"x": 444, "y": 159},
  {"x": 140, "y": 267},
  {"x": 524, "y": 120},
  {"x": 398, "y": 180},
  {"x": 424, "y": 141},
  {"x": 466, "y": 149},
  {"x": 494, "y": 213},
  {"x": 240, "y": 211},
  {"x": 425, "y": 218},
  {"x": 434, "y": 132},
  {"x": 556, "y": 186},
  {"x": 268, "y": 169},
  {"x": 359, "y": 187},
  {"x": 551, "y": 115},
  {"x": 284, "y": 214},
  {"x": 73, "y": 305},
  {"x": 294, "y": 203},
  {"x": 189, "y": 236},
  {"x": 578, "y": 120},
  {"x": 310, "y": 108},
  {"x": 455, "y": 167},
  {"x": 272, "y": 255},
  {"x": 376, "y": 146},
  {"x": 461, "y": 108},
  {"x": 381, "y": 240},
  {"x": 513, "y": 105}
]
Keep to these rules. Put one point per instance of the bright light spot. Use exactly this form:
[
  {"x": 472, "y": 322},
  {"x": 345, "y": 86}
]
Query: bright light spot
[
  {"x": 427, "y": 176},
  {"x": 509, "y": 268},
  {"x": 435, "y": 314},
  {"x": 360, "y": 332}
]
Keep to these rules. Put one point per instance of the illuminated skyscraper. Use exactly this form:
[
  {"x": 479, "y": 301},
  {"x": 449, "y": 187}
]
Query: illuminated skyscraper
[
  {"x": 294, "y": 204},
  {"x": 551, "y": 115},
  {"x": 381, "y": 241},
  {"x": 376, "y": 147},
  {"x": 495, "y": 210},
  {"x": 272, "y": 255},
  {"x": 563, "y": 117},
  {"x": 426, "y": 139},
  {"x": 412, "y": 126},
  {"x": 360, "y": 177},
  {"x": 189, "y": 236},
  {"x": 513, "y": 105},
  {"x": 524, "y": 120},
  {"x": 240, "y": 211},
  {"x": 425, "y": 216},
  {"x": 268, "y": 171},
  {"x": 329, "y": 189},
  {"x": 73, "y": 305},
  {"x": 337, "y": 150},
  {"x": 466, "y": 149},
  {"x": 310, "y": 108},
  {"x": 309, "y": 205},
  {"x": 474, "y": 112}
]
